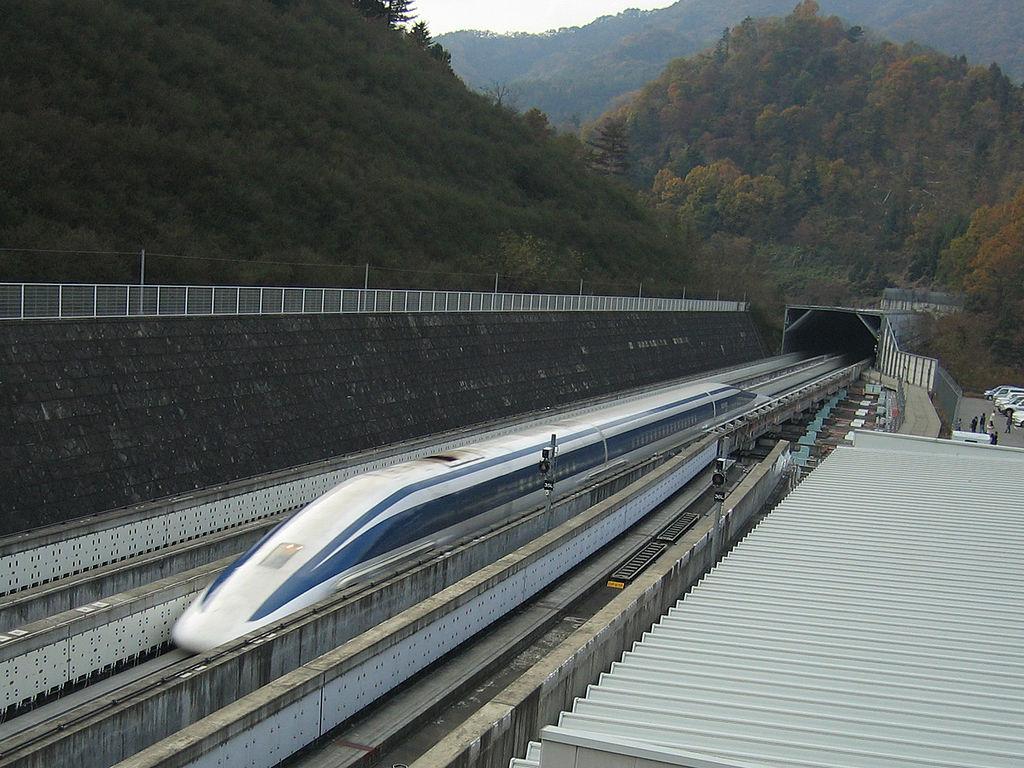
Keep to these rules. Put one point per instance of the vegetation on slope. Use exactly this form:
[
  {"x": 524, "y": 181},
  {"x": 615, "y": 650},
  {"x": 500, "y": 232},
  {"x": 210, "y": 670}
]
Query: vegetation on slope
[
  {"x": 575, "y": 74},
  {"x": 286, "y": 132},
  {"x": 984, "y": 346},
  {"x": 800, "y": 151}
]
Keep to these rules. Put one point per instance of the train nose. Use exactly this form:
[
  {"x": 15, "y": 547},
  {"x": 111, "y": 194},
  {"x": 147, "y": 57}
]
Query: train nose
[
  {"x": 187, "y": 636},
  {"x": 199, "y": 631}
]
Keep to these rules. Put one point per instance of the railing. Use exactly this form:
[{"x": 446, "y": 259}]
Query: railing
[
  {"x": 921, "y": 371},
  {"x": 904, "y": 366},
  {"x": 37, "y": 301},
  {"x": 947, "y": 397}
]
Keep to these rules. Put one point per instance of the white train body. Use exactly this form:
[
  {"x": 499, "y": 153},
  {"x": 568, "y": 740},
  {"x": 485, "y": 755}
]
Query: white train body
[{"x": 374, "y": 519}]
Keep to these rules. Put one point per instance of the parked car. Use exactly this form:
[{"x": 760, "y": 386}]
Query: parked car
[
  {"x": 1002, "y": 391},
  {"x": 1018, "y": 417},
  {"x": 1008, "y": 405}
]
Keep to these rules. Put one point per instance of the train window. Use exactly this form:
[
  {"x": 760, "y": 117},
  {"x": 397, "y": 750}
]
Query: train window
[{"x": 280, "y": 555}]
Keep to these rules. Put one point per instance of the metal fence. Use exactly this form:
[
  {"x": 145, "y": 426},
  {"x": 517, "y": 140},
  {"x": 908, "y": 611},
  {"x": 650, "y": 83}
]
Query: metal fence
[
  {"x": 946, "y": 397},
  {"x": 921, "y": 371},
  {"x": 34, "y": 301}
]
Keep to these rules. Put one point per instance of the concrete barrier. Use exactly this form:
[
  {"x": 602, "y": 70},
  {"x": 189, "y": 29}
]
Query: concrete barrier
[
  {"x": 266, "y": 726},
  {"x": 503, "y": 728},
  {"x": 146, "y": 712},
  {"x": 114, "y": 412},
  {"x": 47, "y": 656},
  {"x": 65, "y": 594}
]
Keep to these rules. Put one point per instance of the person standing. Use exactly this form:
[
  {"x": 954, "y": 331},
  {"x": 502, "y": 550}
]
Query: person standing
[
  {"x": 1009, "y": 423},
  {"x": 959, "y": 424},
  {"x": 994, "y": 437},
  {"x": 974, "y": 424},
  {"x": 992, "y": 423},
  {"x": 982, "y": 421}
]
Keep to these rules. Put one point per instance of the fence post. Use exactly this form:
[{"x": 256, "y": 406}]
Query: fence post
[
  {"x": 94, "y": 308},
  {"x": 22, "y": 315}
]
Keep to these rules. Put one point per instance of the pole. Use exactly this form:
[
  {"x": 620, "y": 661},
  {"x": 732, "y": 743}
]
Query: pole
[
  {"x": 142, "y": 267},
  {"x": 581, "y": 286},
  {"x": 549, "y": 484},
  {"x": 495, "y": 282},
  {"x": 640, "y": 295},
  {"x": 366, "y": 278}
]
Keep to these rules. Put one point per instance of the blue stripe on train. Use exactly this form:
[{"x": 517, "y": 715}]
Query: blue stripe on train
[{"x": 438, "y": 514}]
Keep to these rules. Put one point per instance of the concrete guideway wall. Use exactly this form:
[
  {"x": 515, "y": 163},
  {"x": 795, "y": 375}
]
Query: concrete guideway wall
[
  {"x": 108, "y": 413},
  {"x": 59, "y": 650},
  {"x": 31, "y": 605},
  {"x": 503, "y": 727},
  {"x": 192, "y": 690},
  {"x": 47, "y": 655},
  {"x": 326, "y": 690}
]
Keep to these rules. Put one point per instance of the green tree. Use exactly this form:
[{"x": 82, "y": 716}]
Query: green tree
[
  {"x": 420, "y": 34},
  {"x": 610, "y": 143},
  {"x": 399, "y": 12}
]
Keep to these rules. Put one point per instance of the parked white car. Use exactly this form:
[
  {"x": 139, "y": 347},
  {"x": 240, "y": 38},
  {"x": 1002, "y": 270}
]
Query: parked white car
[
  {"x": 1002, "y": 391},
  {"x": 1009, "y": 404},
  {"x": 1018, "y": 418}
]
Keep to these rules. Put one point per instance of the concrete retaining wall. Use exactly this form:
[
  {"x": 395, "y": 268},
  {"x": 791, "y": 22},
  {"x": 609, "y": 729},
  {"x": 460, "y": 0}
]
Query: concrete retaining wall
[{"x": 109, "y": 413}]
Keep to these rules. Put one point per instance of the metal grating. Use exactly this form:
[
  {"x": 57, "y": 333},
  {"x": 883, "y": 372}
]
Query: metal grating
[
  {"x": 638, "y": 561},
  {"x": 875, "y": 618},
  {"x": 671, "y": 532}
]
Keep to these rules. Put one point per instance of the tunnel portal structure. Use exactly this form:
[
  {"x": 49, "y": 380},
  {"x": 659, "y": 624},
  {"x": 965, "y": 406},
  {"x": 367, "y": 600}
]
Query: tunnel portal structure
[
  {"x": 883, "y": 335},
  {"x": 832, "y": 330}
]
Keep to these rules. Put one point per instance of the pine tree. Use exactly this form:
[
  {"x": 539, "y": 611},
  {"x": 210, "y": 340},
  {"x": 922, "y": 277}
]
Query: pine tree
[
  {"x": 399, "y": 12},
  {"x": 611, "y": 147},
  {"x": 421, "y": 35},
  {"x": 371, "y": 9}
]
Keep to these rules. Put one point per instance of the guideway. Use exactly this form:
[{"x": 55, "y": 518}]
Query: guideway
[
  {"x": 237, "y": 671},
  {"x": 108, "y": 632}
]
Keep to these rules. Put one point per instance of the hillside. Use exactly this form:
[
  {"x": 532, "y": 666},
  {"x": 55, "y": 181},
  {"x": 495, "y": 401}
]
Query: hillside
[
  {"x": 286, "y": 132},
  {"x": 802, "y": 160},
  {"x": 984, "y": 346},
  {"x": 575, "y": 74}
]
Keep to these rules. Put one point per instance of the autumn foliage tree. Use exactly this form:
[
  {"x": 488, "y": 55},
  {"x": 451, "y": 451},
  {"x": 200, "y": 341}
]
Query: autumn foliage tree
[{"x": 820, "y": 149}]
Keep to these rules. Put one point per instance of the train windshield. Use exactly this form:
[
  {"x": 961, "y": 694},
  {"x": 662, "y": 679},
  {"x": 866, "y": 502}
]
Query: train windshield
[{"x": 280, "y": 555}]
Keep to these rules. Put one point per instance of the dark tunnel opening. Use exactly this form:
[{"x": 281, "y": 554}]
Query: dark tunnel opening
[{"x": 831, "y": 331}]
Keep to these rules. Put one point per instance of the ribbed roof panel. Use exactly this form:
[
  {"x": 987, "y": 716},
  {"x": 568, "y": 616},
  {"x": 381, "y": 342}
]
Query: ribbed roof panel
[{"x": 875, "y": 618}]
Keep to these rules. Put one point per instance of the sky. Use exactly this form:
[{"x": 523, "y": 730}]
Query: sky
[{"x": 520, "y": 15}]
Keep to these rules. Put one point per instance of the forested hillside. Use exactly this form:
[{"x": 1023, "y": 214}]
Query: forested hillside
[
  {"x": 575, "y": 74},
  {"x": 803, "y": 160},
  {"x": 985, "y": 344},
  {"x": 286, "y": 132}
]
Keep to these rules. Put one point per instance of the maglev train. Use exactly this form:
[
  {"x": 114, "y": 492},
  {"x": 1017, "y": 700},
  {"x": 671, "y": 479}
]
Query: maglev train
[{"x": 378, "y": 518}]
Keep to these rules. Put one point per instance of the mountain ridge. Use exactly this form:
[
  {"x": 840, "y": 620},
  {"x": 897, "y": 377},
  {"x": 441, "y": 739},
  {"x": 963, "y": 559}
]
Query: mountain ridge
[{"x": 575, "y": 73}]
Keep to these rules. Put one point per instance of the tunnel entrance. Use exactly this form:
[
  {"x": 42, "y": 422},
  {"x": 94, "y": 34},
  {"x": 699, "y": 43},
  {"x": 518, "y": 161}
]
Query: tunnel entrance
[{"x": 831, "y": 330}]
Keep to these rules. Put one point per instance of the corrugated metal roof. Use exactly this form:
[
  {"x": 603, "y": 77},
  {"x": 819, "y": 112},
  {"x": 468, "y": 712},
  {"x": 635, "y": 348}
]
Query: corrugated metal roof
[{"x": 875, "y": 618}]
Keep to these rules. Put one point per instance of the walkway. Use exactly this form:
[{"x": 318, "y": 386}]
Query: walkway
[{"x": 920, "y": 417}]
